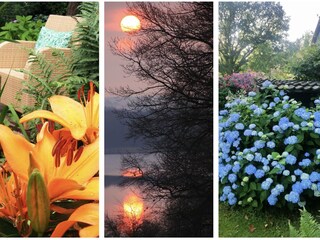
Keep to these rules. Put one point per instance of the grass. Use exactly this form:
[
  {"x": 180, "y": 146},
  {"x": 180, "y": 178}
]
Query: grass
[{"x": 243, "y": 222}]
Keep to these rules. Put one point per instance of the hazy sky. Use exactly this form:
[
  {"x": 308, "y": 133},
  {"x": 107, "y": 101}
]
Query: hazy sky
[
  {"x": 114, "y": 73},
  {"x": 304, "y": 17}
]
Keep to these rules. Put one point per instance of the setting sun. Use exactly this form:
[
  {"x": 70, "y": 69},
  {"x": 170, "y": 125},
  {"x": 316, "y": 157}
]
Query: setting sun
[
  {"x": 133, "y": 207},
  {"x": 130, "y": 23}
]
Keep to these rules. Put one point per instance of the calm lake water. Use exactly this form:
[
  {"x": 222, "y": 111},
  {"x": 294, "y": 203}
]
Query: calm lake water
[{"x": 119, "y": 200}]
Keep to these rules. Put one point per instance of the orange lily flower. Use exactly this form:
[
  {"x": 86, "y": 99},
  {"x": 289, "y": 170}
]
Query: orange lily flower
[
  {"x": 59, "y": 180},
  {"x": 87, "y": 213},
  {"x": 82, "y": 119},
  {"x": 13, "y": 201}
]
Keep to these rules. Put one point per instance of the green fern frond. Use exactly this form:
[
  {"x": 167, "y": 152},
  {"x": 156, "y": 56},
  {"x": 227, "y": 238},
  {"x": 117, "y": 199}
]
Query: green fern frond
[
  {"x": 86, "y": 51},
  {"x": 309, "y": 227}
]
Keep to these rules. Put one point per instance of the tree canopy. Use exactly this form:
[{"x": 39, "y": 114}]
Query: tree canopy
[{"x": 246, "y": 26}]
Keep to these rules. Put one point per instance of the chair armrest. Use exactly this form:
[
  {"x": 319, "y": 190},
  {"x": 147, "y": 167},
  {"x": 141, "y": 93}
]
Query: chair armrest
[{"x": 14, "y": 54}]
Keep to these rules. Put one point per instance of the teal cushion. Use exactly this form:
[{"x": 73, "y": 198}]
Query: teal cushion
[{"x": 51, "y": 38}]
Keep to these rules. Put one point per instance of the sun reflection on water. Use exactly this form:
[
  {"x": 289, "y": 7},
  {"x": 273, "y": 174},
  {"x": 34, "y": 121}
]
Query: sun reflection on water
[{"x": 133, "y": 208}]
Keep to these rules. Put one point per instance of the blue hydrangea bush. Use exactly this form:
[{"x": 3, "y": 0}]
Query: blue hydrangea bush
[{"x": 269, "y": 150}]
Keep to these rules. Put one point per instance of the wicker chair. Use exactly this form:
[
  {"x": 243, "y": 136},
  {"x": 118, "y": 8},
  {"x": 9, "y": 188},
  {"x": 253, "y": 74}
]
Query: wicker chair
[{"x": 14, "y": 56}]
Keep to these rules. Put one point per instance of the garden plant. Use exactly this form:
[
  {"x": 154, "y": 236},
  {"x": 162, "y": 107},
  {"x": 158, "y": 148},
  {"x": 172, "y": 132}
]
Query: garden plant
[
  {"x": 236, "y": 83},
  {"x": 269, "y": 150},
  {"x": 50, "y": 188}
]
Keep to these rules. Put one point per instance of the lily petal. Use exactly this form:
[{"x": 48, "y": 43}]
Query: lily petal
[
  {"x": 76, "y": 129},
  {"x": 16, "y": 150},
  {"x": 61, "y": 228},
  {"x": 42, "y": 153},
  {"x": 91, "y": 231},
  {"x": 83, "y": 169},
  {"x": 91, "y": 192},
  {"x": 72, "y": 112},
  {"x": 58, "y": 187},
  {"x": 88, "y": 213}
]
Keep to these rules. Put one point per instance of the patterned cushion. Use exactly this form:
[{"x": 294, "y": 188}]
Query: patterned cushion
[{"x": 51, "y": 38}]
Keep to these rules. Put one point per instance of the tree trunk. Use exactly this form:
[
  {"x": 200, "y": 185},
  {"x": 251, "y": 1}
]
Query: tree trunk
[{"x": 72, "y": 8}]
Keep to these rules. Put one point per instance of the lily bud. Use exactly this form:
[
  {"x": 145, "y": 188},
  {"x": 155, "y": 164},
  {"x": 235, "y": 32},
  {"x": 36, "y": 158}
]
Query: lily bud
[{"x": 38, "y": 202}]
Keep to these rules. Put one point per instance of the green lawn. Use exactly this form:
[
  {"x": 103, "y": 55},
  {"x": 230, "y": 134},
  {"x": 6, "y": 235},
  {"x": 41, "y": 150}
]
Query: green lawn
[{"x": 243, "y": 222}]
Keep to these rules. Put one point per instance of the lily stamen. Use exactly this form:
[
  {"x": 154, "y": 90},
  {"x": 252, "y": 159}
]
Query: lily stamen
[{"x": 65, "y": 147}]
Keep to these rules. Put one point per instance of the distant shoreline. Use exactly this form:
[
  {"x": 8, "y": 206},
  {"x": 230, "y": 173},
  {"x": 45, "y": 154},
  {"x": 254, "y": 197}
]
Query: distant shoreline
[{"x": 132, "y": 150}]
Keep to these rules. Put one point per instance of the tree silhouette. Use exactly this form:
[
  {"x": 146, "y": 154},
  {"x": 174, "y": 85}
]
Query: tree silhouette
[{"x": 172, "y": 55}]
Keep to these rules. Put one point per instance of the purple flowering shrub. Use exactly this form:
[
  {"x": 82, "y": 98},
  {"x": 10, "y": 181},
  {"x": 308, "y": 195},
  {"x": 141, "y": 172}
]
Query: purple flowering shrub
[
  {"x": 269, "y": 150},
  {"x": 236, "y": 82}
]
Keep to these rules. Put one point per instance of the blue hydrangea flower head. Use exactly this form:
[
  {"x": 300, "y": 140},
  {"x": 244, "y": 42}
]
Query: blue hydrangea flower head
[
  {"x": 314, "y": 177},
  {"x": 259, "y": 144},
  {"x": 258, "y": 111},
  {"x": 305, "y": 162},
  {"x": 247, "y": 132},
  {"x": 265, "y": 185},
  {"x": 226, "y": 190},
  {"x": 276, "y": 114},
  {"x": 294, "y": 197},
  {"x": 223, "y": 112},
  {"x": 306, "y": 183},
  {"x": 272, "y": 200},
  {"x": 291, "y": 159},
  {"x": 267, "y": 84},
  {"x": 297, "y": 187},
  {"x": 271, "y": 144},
  {"x": 249, "y": 157},
  {"x": 286, "y": 106},
  {"x": 250, "y": 169},
  {"x": 259, "y": 173},
  {"x": 286, "y": 173},
  {"x": 239, "y": 126},
  {"x": 291, "y": 140},
  {"x": 298, "y": 172},
  {"x": 234, "y": 117},
  {"x": 252, "y": 94},
  {"x": 232, "y": 178},
  {"x": 232, "y": 201}
]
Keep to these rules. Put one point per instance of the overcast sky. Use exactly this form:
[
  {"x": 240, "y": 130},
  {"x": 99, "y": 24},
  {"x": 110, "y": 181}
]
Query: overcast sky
[{"x": 303, "y": 15}]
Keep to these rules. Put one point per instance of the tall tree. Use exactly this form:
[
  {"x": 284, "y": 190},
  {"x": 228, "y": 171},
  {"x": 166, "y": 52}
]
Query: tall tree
[
  {"x": 243, "y": 27},
  {"x": 172, "y": 55}
]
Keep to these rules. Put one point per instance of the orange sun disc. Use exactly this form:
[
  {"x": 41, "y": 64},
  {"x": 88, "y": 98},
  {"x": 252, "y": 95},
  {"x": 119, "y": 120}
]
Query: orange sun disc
[{"x": 130, "y": 23}]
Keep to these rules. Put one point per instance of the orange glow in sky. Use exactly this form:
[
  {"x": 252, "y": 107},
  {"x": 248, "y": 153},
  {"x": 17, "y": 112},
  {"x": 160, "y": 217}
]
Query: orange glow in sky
[
  {"x": 133, "y": 172},
  {"x": 130, "y": 23},
  {"x": 133, "y": 208}
]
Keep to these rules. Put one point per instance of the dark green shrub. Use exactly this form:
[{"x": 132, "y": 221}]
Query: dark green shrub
[
  {"x": 307, "y": 66},
  {"x": 23, "y": 28},
  {"x": 9, "y": 10}
]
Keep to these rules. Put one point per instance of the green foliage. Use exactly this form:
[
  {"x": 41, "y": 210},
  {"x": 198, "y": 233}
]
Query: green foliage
[
  {"x": 45, "y": 81},
  {"x": 309, "y": 227},
  {"x": 23, "y": 28},
  {"x": 8, "y": 10},
  {"x": 86, "y": 49},
  {"x": 307, "y": 64},
  {"x": 244, "y": 26}
]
